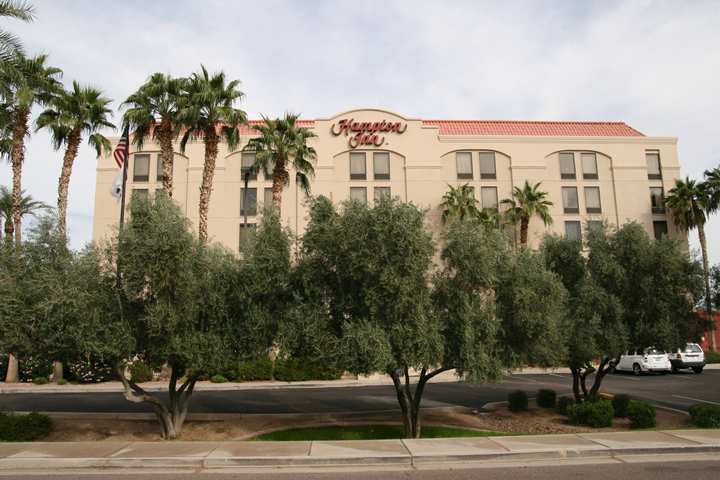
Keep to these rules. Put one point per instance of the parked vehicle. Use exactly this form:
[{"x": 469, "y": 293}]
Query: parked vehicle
[
  {"x": 641, "y": 360},
  {"x": 692, "y": 356}
]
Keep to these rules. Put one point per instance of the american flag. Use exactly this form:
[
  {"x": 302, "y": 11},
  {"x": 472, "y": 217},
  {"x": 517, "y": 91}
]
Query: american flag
[{"x": 120, "y": 153}]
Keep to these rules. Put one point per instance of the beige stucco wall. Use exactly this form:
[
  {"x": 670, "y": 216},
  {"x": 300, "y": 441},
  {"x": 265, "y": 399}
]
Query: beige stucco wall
[{"x": 422, "y": 164}]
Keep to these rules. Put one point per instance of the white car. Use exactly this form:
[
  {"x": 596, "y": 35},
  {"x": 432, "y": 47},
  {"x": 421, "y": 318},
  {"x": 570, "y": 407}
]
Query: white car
[
  {"x": 692, "y": 356},
  {"x": 641, "y": 360}
]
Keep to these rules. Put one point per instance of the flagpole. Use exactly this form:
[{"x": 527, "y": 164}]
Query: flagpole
[{"x": 122, "y": 196}]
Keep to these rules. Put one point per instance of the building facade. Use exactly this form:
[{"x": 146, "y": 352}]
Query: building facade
[{"x": 593, "y": 172}]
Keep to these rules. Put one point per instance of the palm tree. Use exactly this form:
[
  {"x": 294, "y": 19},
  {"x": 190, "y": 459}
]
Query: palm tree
[
  {"x": 81, "y": 111},
  {"x": 459, "y": 203},
  {"x": 690, "y": 203},
  {"x": 153, "y": 111},
  {"x": 9, "y": 43},
  {"x": 208, "y": 112},
  {"x": 28, "y": 206},
  {"x": 527, "y": 202},
  {"x": 24, "y": 83},
  {"x": 712, "y": 180},
  {"x": 282, "y": 144}
]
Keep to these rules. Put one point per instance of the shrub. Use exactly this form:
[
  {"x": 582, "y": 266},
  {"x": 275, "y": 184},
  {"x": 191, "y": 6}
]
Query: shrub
[
  {"x": 712, "y": 357},
  {"x": 3, "y": 366},
  {"x": 546, "y": 398},
  {"x": 30, "y": 368},
  {"x": 563, "y": 403},
  {"x": 594, "y": 413},
  {"x": 40, "y": 380},
  {"x": 218, "y": 379},
  {"x": 260, "y": 368},
  {"x": 24, "y": 428},
  {"x": 89, "y": 370},
  {"x": 620, "y": 404},
  {"x": 299, "y": 369},
  {"x": 518, "y": 401},
  {"x": 62, "y": 381},
  {"x": 705, "y": 415},
  {"x": 141, "y": 372},
  {"x": 641, "y": 414}
]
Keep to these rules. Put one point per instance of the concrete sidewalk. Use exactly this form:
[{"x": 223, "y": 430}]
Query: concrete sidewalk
[{"x": 386, "y": 453}]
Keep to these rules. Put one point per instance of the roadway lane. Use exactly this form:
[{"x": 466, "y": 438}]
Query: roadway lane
[{"x": 676, "y": 391}]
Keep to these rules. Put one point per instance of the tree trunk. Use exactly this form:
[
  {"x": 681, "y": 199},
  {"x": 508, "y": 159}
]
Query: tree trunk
[
  {"x": 57, "y": 371},
  {"x": 167, "y": 155},
  {"x": 280, "y": 178},
  {"x": 172, "y": 416},
  {"x": 12, "y": 375},
  {"x": 18, "y": 156},
  {"x": 64, "y": 181},
  {"x": 211, "y": 151},
  {"x": 599, "y": 375},
  {"x": 576, "y": 384},
  {"x": 410, "y": 401},
  {"x": 524, "y": 232},
  {"x": 706, "y": 277}
]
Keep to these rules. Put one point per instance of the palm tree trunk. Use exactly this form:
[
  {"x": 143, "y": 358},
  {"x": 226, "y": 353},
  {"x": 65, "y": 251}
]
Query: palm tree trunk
[
  {"x": 706, "y": 276},
  {"x": 18, "y": 156},
  {"x": 211, "y": 151},
  {"x": 64, "y": 181},
  {"x": 166, "y": 155},
  {"x": 280, "y": 178},
  {"x": 524, "y": 232}
]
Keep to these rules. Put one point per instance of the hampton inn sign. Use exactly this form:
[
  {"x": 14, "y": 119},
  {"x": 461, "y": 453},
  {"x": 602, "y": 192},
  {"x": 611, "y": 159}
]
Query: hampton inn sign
[{"x": 366, "y": 133}]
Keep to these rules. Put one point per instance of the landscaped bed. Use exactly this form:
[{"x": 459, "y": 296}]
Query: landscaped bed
[{"x": 368, "y": 432}]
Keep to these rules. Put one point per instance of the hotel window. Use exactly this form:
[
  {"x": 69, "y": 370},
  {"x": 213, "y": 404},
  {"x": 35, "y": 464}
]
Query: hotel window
[
  {"x": 653, "y": 165},
  {"x": 141, "y": 168},
  {"x": 657, "y": 200},
  {"x": 159, "y": 174},
  {"x": 381, "y": 166},
  {"x": 573, "y": 230},
  {"x": 489, "y": 197},
  {"x": 487, "y": 165},
  {"x": 251, "y": 202},
  {"x": 570, "y": 200},
  {"x": 567, "y": 165},
  {"x": 267, "y": 197},
  {"x": 246, "y": 232},
  {"x": 358, "y": 193},
  {"x": 247, "y": 160},
  {"x": 589, "y": 166},
  {"x": 381, "y": 192},
  {"x": 592, "y": 200},
  {"x": 357, "y": 166},
  {"x": 660, "y": 229},
  {"x": 463, "y": 163}
]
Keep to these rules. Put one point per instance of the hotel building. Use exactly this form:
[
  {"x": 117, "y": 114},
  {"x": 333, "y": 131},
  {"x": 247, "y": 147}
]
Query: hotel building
[{"x": 592, "y": 171}]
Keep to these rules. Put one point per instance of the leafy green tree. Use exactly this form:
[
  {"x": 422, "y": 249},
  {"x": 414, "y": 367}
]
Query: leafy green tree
[
  {"x": 459, "y": 203},
  {"x": 526, "y": 203},
  {"x": 10, "y": 45},
  {"x": 24, "y": 83},
  {"x": 153, "y": 111},
  {"x": 28, "y": 206},
  {"x": 208, "y": 112},
  {"x": 73, "y": 114},
  {"x": 690, "y": 203},
  {"x": 282, "y": 145}
]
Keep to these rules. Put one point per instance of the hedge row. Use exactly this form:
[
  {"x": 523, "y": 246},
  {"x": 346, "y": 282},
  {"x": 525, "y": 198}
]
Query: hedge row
[{"x": 24, "y": 428}]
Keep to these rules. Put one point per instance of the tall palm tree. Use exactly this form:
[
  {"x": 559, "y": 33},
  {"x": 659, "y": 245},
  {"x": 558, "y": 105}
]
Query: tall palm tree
[
  {"x": 81, "y": 111},
  {"x": 459, "y": 203},
  {"x": 24, "y": 83},
  {"x": 527, "y": 202},
  {"x": 153, "y": 111},
  {"x": 28, "y": 206},
  {"x": 712, "y": 181},
  {"x": 208, "y": 112},
  {"x": 282, "y": 145},
  {"x": 690, "y": 203},
  {"x": 9, "y": 43}
]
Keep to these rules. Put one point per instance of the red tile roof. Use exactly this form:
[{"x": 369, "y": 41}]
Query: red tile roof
[{"x": 533, "y": 128}]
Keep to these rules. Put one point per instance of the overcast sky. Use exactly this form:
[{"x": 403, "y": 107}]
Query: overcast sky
[{"x": 654, "y": 65}]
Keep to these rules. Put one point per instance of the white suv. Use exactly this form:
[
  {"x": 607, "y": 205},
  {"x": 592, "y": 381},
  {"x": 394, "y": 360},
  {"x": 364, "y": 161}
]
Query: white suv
[
  {"x": 641, "y": 360},
  {"x": 692, "y": 356}
]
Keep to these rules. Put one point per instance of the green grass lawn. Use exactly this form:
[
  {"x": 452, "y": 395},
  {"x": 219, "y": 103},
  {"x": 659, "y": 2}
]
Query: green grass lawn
[{"x": 367, "y": 432}]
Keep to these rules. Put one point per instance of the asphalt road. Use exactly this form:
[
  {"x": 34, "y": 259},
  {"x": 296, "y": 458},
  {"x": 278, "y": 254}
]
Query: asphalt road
[
  {"x": 678, "y": 391},
  {"x": 666, "y": 470}
]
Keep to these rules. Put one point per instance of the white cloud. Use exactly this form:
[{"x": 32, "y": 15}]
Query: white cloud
[{"x": 652, "y": 64}]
